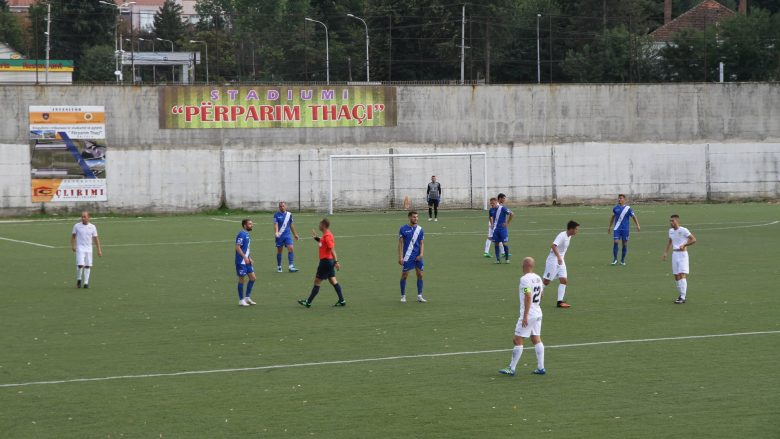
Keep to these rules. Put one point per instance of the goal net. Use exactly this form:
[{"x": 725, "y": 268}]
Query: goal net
[{"x": 386, "y": 181}]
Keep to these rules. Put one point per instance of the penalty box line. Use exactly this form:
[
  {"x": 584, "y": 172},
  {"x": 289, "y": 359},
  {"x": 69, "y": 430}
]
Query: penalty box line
[{"x": 376, "y": 359}]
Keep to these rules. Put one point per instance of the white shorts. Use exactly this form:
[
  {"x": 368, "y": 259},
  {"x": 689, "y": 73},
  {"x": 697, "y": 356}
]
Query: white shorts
[
  {"x": 490, "y": 232},
  {"x": 680, "y": 262},
  {"x": 554, "y": 271},
  {"x": 534, "y": 327},
  {"x": 84, "y": 258}
]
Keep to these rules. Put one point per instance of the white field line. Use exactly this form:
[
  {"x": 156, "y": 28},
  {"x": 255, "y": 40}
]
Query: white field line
[
  {"x": 75, "y": 220},
  {"x": 27, "y": 242},
  {"x": 375, "y": 359}
]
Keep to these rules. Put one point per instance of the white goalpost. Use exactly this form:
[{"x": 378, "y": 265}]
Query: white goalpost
[{"x": 481, "y": 154}]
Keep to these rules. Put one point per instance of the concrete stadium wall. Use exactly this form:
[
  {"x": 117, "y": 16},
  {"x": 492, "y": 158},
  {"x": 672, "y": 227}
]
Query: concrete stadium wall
[{"x": 572, "y": 143}]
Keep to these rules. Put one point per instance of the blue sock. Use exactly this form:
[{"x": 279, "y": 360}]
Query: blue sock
[
  {"x": 240, "y": 291},
  {"x": 614, "y": 251},
  {"x": 498, "y": 252},
  {"x": 279, "y": 259},
  {"x": 337, "y": 287},
  {"x": 249, "y": 286},
  {"x": 625, "y": 250},
  {"x": 290, "y": 257},
  {"x": 506, "y": 251},
  {"x": 419, "y": 287},
  {"x": 403, "y": 287}
]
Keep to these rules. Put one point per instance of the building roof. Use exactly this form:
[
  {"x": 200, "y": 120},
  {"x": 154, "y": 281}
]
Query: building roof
[{"x": 705, "y": 14}]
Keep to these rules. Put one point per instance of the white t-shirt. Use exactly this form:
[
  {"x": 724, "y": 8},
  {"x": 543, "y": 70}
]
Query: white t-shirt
[
  {"x": 562, "y": 242},
  {"x": 531, "y": 284},
  {"x": 679, "y": 237},
  {"x": 84, "y": 234}
]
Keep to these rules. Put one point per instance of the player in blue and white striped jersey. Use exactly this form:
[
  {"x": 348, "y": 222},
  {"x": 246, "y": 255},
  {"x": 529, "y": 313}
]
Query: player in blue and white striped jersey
[
  {"x": 620, "y": 218},
  {"x": 411, "y": 248}
]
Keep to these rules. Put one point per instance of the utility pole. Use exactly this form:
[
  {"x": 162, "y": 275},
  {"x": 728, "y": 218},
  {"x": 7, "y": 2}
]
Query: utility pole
[
  {"x": 48, "y": 39},
  {"x": 538, "y": 52},
  {"x": 462, "y": 43}
]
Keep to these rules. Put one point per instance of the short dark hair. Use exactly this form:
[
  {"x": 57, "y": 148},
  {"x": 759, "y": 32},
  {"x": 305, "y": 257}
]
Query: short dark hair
[
  {"x": 325, "y": 223},
  {"x": 412, "y": 212},
  {"x": 244, "y": 221},
  {"x": 622, "y": 195},
  {"x": 501, "y": 195},
  {"x": 572, "y": 225},
  {"x": 494, "y": 199},
  {"x": 674, "y": 215}
]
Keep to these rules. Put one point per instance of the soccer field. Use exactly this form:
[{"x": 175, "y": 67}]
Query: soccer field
[{"x": 157, "y": 347}]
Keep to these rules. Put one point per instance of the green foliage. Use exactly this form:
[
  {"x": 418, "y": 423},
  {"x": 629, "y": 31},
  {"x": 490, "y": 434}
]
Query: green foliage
[
  {"x": 168, "y": 23},
  {"x": 750, "y": 46},
  {"x": 98, "y": 64},
  {"x": 10, "y": 30}
]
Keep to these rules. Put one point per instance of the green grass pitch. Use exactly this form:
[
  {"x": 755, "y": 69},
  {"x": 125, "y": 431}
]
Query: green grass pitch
[{"x": 162, "y": 300}]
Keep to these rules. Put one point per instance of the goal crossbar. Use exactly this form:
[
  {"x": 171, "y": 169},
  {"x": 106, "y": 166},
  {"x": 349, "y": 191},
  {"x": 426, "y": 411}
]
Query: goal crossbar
[{"x": 432, "y": 154}]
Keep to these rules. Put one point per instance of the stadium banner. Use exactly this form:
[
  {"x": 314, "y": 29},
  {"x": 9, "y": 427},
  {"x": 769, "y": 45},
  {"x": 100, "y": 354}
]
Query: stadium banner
[
  {"x": 278, "y": 107},
  {"x": 68, "y": 153}
]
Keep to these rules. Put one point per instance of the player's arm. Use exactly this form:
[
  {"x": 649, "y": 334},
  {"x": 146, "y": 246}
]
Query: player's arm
[
  {"x": 554, "y": 249},
  {"x": 401, "y": 250},
  {"x": 636, "y": 221},
  {"x": 691, "y": 240},
  {"x": 292, "y": 228},
  {"x": 526, "y": 305},
  {"x": 491, "y": 220},
  {"x": 335, "y": 258},
  {"x": 422, "y": 249},
  {"x": 314, "y": 235},
  {"x": 609, "y": 227},
  {"x": 276, "y": 229},
  {"x": 97, "y": 243},
  {"x": 509, "y": 218},
  {"x": 666, "y": 251},
  {"x": 73, "y": 242}
]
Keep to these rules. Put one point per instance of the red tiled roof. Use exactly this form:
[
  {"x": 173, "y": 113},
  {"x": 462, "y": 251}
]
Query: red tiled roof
[{"x": 703, "y": 15}]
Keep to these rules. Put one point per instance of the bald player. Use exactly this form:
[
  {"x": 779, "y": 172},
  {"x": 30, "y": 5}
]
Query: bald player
[
  {"x": 680, "y": 239},
  {"x": 530, "y": 322},
  {"x": 82, "y": 236}
]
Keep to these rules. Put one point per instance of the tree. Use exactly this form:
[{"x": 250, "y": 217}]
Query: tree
[
  {"x": 692, "y": 55},
  {"x": 215, "y": 14},
  {"x": 167, "y": 22},
  {"x": 749, "y": 46},
  {"x": 10, "y": 31},
  {"x": 97, "y": 64}
]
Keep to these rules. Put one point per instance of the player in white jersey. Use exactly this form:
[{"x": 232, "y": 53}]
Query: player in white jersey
[
  {"x": 489, "y": 242},
  {"x": 556, "y": 264},
  {"x": 680, "y": 239},
  {"x": 81, "y": 238},
  {"x": 530, "y": 322}
]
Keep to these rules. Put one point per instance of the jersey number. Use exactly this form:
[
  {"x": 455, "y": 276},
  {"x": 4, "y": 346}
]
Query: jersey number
[{"x": 537, "y": 293}]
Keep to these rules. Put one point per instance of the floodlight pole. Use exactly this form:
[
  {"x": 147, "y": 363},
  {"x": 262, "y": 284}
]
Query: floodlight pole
[
  {"x": 368, "y": 70},
  {"x": 327, "y": 51},
  {"x": 48, "y": 39}
]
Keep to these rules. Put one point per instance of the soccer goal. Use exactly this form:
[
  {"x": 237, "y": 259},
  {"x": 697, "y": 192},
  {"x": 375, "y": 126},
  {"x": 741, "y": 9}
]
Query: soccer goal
[{"x": 386, "y": 181}]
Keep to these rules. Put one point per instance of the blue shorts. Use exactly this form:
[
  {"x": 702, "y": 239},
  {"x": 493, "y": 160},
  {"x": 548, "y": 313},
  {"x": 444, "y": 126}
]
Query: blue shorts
[
  {"x": 621, "y": 234},
  {"x": 433, "y": 202},
  {"x": 244, "y": 270},
  {"x": 501, "y": 235},
  {"x": 411, "y": 264},
  {"x": 284, "y": 241}
]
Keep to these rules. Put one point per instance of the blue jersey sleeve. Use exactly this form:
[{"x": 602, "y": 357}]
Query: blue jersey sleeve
[{"x": 422, "y": 235}]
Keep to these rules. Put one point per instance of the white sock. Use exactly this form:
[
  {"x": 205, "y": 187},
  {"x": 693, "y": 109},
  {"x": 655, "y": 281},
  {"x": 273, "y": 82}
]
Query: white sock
[
  {"x": 487, "y": 245},
  {"x": 78, "y": 273},
  {"x": 501, "y": 246},
  {"x": 539, "y": 348},
  {"x": 679, "y": 286},
  {"x": 683, "y": 287},
  {"x": 516, "y": 353},
  {"x": 561, "y": 292},
  {"x": 86, "y": 275}
]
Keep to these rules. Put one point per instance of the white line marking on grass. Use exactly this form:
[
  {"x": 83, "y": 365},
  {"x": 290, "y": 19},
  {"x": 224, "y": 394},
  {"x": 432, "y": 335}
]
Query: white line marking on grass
[
  {"x": 27, "y": 242},
  {"x": 75, "y": 220},
  {"x": 369, "y": 360},
  {"x": 225, "y": 220}
]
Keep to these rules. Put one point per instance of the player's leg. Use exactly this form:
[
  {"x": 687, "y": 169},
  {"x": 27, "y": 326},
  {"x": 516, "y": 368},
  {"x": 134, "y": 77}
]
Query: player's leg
[
  {"x": 505, "y": 249},
  {"x": 279, "y": 250},
  {"x": 624, "y": 249},
  {"x": 315, "y": 289},
  {"x": 404, "y": 275},
  {"x": 536, "y": 339},
  {"x": 337, "y": 286},
  {"x": 291, "y": 257},
  {"x": 436, "y": 210},
  {"x": 680, "y": 270},
  {"x": 87, "y": 268},
  {"x": 517, "y": 350},
  {"x": 241, "y": 272},
  {"x": 430, "y": 209},
  {"x": 615, "y": 245},
  {"x": 249, "y": 285},
  {"x": 562, "y": 282},
  {"x": 419, "y": 271}
]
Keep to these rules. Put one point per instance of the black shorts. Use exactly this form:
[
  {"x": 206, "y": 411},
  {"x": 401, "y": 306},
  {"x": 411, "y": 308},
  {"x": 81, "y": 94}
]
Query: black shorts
[
  {"x": 433, "y": 202},
  {"x": 326, "y": 269}
]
